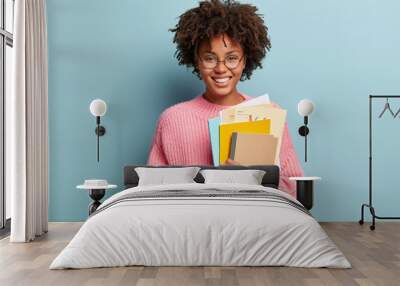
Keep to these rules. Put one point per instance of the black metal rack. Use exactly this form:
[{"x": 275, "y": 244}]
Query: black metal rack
[{"x": 369, "y": 205}]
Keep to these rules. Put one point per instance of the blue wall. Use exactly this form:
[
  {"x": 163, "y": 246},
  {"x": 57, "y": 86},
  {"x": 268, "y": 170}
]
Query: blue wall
[{"x": 332, "y": 52}]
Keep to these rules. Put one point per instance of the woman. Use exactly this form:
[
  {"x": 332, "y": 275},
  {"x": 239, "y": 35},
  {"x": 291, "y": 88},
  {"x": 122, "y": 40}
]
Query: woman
[{"x": 223, "y": 42}]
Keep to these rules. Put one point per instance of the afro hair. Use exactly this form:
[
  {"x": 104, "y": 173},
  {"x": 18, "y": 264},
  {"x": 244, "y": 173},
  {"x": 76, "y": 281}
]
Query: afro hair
[{"x": 214, "y": 18}]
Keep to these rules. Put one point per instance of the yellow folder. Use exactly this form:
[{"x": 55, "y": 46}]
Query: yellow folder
[{"x": 226, "y": 130}]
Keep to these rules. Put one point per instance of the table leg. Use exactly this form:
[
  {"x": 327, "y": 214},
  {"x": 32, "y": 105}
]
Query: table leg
[
  {"x": 96, "y": 195},
  {"x": 305, "y": 193}
]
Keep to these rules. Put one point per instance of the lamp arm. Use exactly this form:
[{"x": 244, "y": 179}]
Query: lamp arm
[
  {"x": 98, "y": 141},
  {"x": 305, "y": 146},
  {"x": 305, "y": 138}
]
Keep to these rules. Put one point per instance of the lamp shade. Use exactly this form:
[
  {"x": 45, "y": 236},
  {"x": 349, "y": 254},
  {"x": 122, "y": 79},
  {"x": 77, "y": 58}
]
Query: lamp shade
[
  {"x": 305, "y": 107},
  {"x": 98, "y": 107}
]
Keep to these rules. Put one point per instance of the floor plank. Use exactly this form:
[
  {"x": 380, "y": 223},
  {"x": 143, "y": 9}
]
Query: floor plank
[{"x": 374, "y": 255}]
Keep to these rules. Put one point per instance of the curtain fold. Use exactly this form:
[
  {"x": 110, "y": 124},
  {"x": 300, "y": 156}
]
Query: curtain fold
[{"x": 27, "y": 158}]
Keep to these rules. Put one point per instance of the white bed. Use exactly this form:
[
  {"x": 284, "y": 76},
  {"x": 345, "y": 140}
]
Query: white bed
[{"x": 185, "y": 230}]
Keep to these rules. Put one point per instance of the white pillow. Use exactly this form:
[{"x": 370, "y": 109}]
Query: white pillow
[
  {"x": 249, "y": 177},
  {"x": 162, "y": 176}
]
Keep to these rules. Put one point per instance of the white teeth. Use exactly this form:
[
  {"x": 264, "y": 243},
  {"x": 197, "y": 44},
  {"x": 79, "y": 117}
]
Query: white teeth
[{"x": 221, "y": 80}]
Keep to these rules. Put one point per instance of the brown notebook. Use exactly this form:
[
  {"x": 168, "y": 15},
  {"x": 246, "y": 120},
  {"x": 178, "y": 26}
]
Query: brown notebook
[{"x": 253, "y": 149}]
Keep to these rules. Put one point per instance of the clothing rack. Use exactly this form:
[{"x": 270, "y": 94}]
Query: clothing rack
[{"x": 369, "y": 205}]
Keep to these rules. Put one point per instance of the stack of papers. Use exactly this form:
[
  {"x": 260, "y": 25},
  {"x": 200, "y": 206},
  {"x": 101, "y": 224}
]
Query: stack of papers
[{"x": 249, "y": 133}]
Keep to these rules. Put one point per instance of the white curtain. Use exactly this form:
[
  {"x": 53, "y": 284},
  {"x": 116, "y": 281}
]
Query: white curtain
[{"x": 27, "y": 124}]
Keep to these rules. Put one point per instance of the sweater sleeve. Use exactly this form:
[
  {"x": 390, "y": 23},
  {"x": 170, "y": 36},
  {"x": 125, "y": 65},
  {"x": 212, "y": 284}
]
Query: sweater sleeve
[
  {"x": 290, "y": 164},
  {"x": 156, "y": 155}
]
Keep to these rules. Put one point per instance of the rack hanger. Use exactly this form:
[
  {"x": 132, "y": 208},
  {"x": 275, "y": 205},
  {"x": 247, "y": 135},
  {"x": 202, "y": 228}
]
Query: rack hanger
[
  {"x": 387, "y": 107},
  {"x": 397, "y": 113}
]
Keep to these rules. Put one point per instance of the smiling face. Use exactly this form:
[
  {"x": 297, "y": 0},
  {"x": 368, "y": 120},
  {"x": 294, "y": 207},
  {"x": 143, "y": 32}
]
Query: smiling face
[{"x": 222, "y": 79}]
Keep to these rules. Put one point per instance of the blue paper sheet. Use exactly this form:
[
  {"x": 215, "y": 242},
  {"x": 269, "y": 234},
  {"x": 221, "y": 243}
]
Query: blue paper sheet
[{"x": 213, "y": 127}]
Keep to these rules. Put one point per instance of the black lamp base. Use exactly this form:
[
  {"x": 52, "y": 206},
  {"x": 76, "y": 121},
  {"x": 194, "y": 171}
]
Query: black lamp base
[
  {"x": 303, "y": 130},
  {"x": 100, "y": 130}
]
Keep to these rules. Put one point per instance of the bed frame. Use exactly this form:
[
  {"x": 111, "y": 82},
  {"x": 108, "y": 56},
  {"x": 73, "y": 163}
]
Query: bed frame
[{"x": 270, "y": 179}]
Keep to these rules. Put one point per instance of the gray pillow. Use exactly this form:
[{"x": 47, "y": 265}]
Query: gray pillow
[
  {"x": 249, "y": 177},
  {"x": 162, "y": 176}
]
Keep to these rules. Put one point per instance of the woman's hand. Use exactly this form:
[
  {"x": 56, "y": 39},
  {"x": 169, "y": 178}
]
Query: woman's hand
[{"x": 230, "y": 162}]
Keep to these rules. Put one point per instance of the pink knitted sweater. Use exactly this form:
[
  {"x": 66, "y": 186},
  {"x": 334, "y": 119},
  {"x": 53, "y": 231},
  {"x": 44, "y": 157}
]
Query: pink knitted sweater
[{"x": 182, "y": 138}]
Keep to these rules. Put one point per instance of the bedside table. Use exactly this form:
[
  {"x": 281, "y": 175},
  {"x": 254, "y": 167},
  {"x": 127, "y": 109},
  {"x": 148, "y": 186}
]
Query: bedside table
[
  {"x": 304, "y": 189},
  {"x": 97, "y": 190}
]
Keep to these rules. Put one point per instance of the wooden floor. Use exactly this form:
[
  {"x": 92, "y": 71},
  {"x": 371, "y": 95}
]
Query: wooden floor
[{"x": 374, "y": 255}]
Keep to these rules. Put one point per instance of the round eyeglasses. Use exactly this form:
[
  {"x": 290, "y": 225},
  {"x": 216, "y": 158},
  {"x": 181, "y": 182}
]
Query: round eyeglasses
[{"x": 211, "y": 61}]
